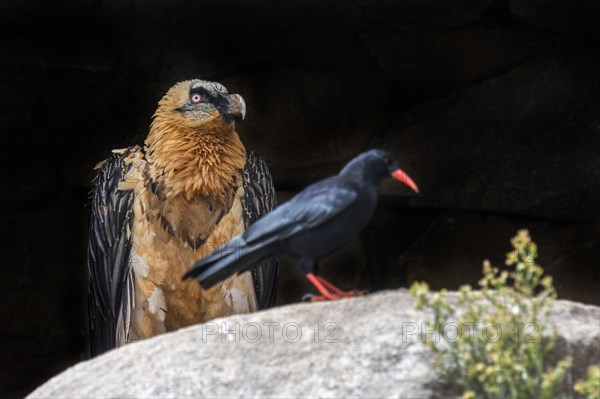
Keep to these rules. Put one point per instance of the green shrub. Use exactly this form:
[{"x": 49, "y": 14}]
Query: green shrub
[
  {"x": 590, "y": 387},
  {"x": 503, "y": 355}
]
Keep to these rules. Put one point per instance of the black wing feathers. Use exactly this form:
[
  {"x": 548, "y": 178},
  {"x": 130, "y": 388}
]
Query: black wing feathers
[
  {"x": 108, "y": 255},
  {"x": 314, "y": 206},
  {"x": 260, "y": 199}
]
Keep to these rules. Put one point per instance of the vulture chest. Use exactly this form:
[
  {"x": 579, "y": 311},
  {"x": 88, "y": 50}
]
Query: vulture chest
[{"x": 169, "y": 235}]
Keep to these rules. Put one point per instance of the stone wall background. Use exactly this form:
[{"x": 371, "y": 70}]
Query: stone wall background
[{"x": 491, "y": 106}]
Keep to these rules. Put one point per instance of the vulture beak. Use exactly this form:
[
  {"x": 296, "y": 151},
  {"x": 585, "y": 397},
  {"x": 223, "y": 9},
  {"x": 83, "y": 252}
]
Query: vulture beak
[
  {"x": 402, "y": 177},
  {"x": 235, "y": 108}
]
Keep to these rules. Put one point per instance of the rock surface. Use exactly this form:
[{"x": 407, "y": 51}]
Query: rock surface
[{"x": 360, "y": 351}]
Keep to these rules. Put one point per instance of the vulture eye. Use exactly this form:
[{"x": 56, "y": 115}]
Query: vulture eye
[{"x": 195, "y": 98}]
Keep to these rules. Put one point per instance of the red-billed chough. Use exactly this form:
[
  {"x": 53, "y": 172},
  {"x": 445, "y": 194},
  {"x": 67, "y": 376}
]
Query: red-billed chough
[{"x": 314, "y": 223}]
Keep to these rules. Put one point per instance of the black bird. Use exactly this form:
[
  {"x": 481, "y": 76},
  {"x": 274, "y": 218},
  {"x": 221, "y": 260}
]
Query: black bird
[{"x": 314, "y": 223}]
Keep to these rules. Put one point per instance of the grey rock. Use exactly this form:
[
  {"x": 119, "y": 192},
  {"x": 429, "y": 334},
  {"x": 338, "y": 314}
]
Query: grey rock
[{"x": 361, "y": 353}]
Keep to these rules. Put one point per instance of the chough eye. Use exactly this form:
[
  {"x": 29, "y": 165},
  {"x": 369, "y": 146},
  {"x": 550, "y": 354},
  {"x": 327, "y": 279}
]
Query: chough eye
[{"x": 195, "y": 98}]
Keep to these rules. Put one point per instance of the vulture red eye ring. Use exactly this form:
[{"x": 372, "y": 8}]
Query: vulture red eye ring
[{"x": 195, "y": 98}]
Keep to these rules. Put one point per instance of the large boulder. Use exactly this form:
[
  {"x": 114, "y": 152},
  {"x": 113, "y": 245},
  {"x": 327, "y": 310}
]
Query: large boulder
[{"x": 359, "y": 351}]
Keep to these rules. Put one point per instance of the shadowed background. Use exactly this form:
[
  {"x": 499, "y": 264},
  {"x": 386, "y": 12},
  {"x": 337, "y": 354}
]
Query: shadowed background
[{"x": 491, "y": 106}]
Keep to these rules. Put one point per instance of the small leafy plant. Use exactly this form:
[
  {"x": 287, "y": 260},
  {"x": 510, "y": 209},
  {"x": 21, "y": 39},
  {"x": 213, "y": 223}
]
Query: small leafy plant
[
  {"x": 495, "y": 349},
  {"x": 590, "y": 387}
]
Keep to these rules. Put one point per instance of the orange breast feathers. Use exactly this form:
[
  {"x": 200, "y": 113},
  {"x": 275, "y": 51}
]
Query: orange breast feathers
[{"x": 161, "y": 254}]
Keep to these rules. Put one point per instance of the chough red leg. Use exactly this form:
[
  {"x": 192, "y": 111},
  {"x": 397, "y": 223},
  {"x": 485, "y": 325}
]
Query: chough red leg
[
  {"x": 329, "y": 291},
  {"x": 332, "y": 288}
]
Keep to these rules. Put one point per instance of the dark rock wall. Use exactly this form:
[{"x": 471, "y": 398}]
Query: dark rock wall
[{"x": 492, "y": 106}]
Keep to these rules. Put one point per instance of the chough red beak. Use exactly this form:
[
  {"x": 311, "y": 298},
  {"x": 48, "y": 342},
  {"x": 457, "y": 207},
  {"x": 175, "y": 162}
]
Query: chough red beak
[{"x": 402, "y": 177}]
